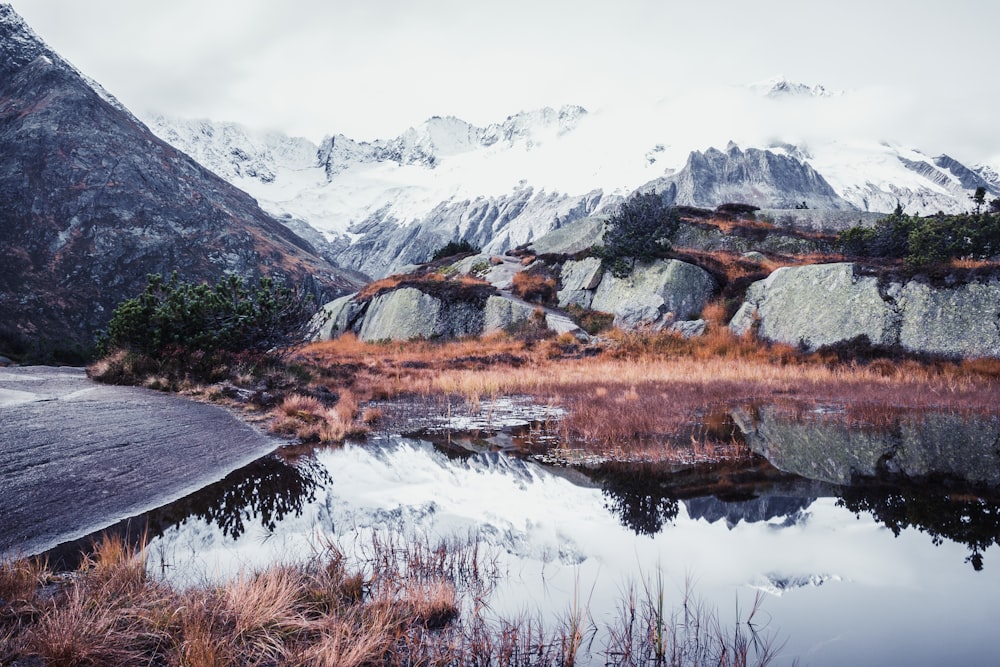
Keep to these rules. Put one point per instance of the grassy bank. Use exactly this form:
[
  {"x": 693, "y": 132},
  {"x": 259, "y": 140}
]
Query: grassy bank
[{"x": 643, "y": 392}]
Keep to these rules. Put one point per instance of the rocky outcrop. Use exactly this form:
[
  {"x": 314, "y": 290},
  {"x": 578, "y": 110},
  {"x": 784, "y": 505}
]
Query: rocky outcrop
[
  {"x": 503, "y": 313},
  {"x": 91, "y": 202},
  {"x": 573, "y": 237},
  {"x": 959, "y": 321},
  {"x": 759, "y": 177},
  {"x": 918, "y": 446},
  {"x": 656, "y": 294},
  {"x": 408, "y": 313},
  {"x": 579, "y": 280},
  {"x": 413, "y": 312},
  {"x": 817, "y": 305},
  {"x": 826, "y": 304}
]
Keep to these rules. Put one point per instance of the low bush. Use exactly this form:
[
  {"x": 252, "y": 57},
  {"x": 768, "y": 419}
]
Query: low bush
[
  {"x": 922, "y": 242},
  {"x": 455, "y": 248},
  {"x": 229, "y": 317}
]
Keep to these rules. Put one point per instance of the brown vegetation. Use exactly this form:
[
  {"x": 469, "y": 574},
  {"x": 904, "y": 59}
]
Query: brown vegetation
[
  {"x": 421, "y": 603},
  {"x": 636, "y": 394}
]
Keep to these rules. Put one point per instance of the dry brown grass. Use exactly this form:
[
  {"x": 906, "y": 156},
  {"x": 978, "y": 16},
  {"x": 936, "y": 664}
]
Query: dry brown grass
[
  {"x": 641, "y": 391},
  {"x": 424, "y": 603},
  {"x": 306, "y": 418}
]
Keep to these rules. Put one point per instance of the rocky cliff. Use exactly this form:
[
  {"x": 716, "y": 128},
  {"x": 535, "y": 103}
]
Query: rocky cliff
[{"x": 91, "y": 202}]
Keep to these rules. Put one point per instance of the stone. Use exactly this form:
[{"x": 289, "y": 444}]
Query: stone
[
  {"x": 816, "y": 305},
  {"x": 579, "y": 279},
  {"x": 684, "y": 288},
  {"x": 571, "y": 238},
  {"x": 502, "y": 313},
  {"x": 689, "y": 328},
  {"x": 962, "y": 321},
  {"x": 561, "y": 325},
  {"x": 826, "y": 304},
  {"x": 642, "y": 311},
  {"x": 407, "y": 313},
  {"x": 334, "y": 318}
]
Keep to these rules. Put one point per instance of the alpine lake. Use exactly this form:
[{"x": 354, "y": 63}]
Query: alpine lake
[{"x": 836, "y": 545}]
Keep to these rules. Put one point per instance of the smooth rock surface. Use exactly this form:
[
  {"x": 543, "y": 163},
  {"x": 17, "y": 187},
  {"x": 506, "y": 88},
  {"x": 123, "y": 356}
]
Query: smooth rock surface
[
  {"x": 407, "y": 313},
  {"x": 818, "y": 304},
  {"x": 824, "y": 304},
  {"x": 962, "y": 321},
  {"x": 503, "y": 312},
  {"x": 684, "y": 289},
  {"x": 334, "y": 318},
  {"x": 77, "y": 456}
]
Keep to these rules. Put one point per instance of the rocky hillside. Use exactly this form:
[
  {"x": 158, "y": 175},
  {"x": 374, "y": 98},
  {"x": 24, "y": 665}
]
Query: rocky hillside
[{"x": 91, "y": 202}]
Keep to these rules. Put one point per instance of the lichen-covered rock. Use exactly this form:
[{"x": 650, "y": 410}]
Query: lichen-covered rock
[
  {"x": 408, "y": 313},
  {"x": 643, "y": 311},
  {"x": 503, "y": 313},
  {"x": 962, "y": 321},
  {"x": 689, "y": 328},
  {"x": 684, "y": 289},
  {"x": 334, "y": 318},
  {"x": 572, "y": 238},
  {"x": 825, "y": 304},
  {"x": 579, "y": 279},
  {"x": 817, "y": 305}
]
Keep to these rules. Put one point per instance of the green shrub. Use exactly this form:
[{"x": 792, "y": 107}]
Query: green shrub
[
  {"x": 230, "y": 317},
  {"x": 455, "y": 248},
  {"x": 639, "y": 231},
  {"x": 925, "y": 241}
]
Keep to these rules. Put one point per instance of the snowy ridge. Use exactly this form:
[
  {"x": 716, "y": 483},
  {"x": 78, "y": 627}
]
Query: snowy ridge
[
  {"x": 779, "y": 86},
  {"x": 390, "y": 202}
]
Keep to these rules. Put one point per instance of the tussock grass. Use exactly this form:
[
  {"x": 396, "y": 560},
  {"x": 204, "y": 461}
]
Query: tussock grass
[{"x": 419, "y": 603}]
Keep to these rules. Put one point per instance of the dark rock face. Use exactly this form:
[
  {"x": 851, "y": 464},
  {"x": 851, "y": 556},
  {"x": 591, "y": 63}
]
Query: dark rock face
[
  {"x": 91, "y": 202},
  {"x": 754, "y": 176}
]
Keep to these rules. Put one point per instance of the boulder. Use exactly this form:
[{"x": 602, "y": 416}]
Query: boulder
[
  {"x": 689, "y": 328},
  {"x": 825, "y": 304},
  {"x": 571, "y": 238},
  {"x": 503, "y": 313},
  {"x": 683, "y": 288},
  {"x": 643, "y": 311},
  {"x": 579, "y": 279},
  {"x": 334, "y": 318},
  {"x": 408, "y": 313},
  {"x": 818, "y": 304},
  {"x": 961, "y": 321}
]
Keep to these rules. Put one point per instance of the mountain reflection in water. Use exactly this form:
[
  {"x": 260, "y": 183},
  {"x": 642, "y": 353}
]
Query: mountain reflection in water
[{"x": 841, "y": 585}]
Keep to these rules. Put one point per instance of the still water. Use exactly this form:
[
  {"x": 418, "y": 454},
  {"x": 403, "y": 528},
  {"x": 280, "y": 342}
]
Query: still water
[{"x": 879, "y": 573}]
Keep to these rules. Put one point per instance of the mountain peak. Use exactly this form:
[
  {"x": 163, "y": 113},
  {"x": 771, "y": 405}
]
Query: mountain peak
[{"x": 780, "y": 87}]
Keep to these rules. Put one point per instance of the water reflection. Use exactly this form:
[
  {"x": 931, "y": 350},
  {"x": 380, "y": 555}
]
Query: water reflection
[
  {"x": 265, "y": 492},
  {"x": 943, "y": 513},
  {"x": 641, "y": 499}
]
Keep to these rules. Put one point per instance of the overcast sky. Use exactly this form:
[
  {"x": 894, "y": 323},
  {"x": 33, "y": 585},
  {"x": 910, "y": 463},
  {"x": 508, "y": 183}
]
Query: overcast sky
[{"x": 921, "y": 71}]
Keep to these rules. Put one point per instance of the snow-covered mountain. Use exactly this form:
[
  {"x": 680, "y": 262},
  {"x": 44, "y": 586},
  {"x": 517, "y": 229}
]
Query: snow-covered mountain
[{"x": 381, "y": 204}]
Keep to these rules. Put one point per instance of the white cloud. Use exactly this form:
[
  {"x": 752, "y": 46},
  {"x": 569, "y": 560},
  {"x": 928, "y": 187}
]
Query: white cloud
[{"x": 372, "y": 69}]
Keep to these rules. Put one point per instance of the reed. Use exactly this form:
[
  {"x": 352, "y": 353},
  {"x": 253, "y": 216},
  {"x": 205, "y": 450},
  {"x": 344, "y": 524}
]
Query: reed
[{"x": 419, "y": 602}]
